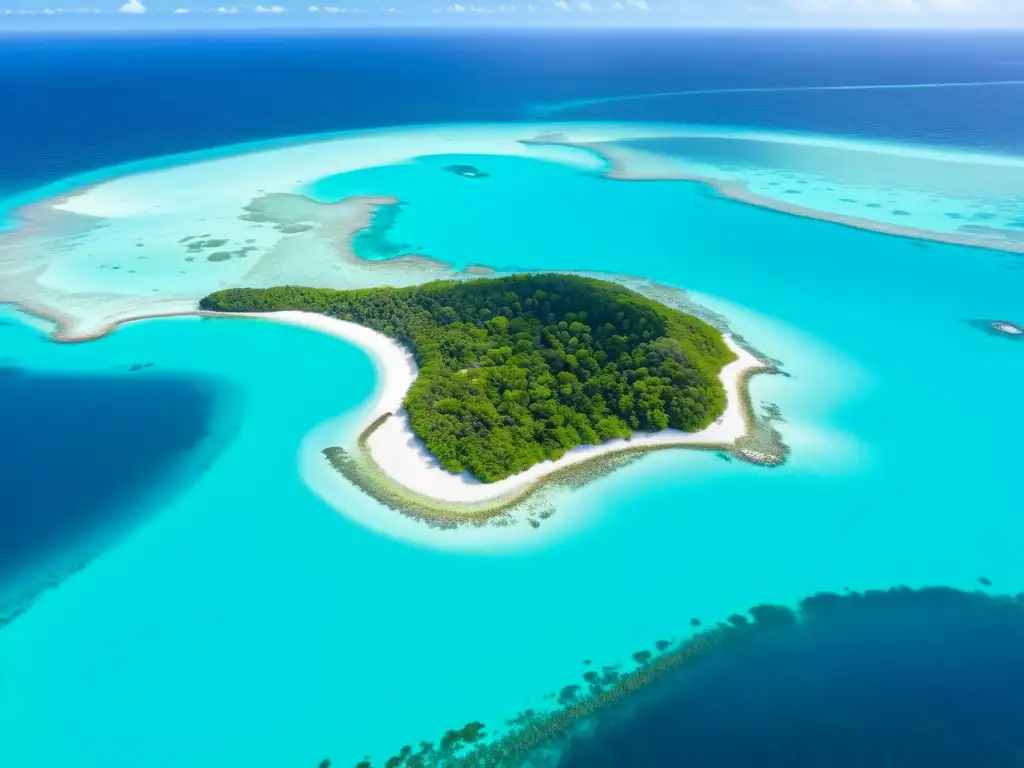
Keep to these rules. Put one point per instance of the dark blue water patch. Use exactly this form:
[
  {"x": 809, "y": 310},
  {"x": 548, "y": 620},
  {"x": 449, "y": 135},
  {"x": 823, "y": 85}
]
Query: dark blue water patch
[
  {"x": 82, "y": 456},
  {"x": 173, "y": 92},
  {"x": 904, "y": 679}
]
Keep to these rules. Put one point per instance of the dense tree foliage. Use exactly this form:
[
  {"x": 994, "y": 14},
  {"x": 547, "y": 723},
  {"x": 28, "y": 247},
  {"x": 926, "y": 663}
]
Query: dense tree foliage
[{"x": 518, "y": 369}]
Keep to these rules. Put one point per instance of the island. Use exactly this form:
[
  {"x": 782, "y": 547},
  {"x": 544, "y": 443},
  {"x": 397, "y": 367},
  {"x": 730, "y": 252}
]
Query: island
[
  {"x": 493, "y": 389},
  {"x": 516, "y": 370}
]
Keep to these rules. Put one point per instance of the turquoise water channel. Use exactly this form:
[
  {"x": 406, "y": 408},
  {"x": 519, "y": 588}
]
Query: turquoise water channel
[{"x": 244, "y": 621}]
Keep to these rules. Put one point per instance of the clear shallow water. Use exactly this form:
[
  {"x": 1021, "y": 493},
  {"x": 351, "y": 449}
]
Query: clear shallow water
[
  {"x": 443, "y": 212},
  {"x": 933, "y": 191},
  {"x": 264, "y": 628},
  {"x": 248, "y": 591}
]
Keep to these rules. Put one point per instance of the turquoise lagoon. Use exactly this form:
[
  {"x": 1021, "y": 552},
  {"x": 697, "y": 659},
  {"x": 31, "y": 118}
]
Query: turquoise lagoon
[{"x": 250, "y": 620}]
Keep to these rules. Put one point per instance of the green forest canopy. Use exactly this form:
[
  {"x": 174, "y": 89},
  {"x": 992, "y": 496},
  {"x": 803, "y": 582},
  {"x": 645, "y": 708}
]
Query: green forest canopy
[{"x": 515, "y": 370}]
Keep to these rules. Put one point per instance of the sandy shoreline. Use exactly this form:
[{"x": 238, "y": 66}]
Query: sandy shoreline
[{"x": 399, "y": 454}]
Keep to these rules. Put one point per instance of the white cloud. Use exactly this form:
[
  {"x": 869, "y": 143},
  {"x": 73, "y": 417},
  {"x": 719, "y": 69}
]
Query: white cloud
[
  {"x": 892, "y": 8},
  {"x": 225, "y": 9},
  {"x": 181, "y": 10},
  {"x": 562, "y": 5},
  {"x": 269, "y": 9},
  {"x": 459, "y": 8},
  {"x": 585, "y": 6},
  {"x": 133, "y": 6},
  {"x": 641, "y": 4},
  {"x": 314, "y": 9}
]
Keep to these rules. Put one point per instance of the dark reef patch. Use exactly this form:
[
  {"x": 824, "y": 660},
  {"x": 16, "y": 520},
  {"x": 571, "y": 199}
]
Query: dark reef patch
[
  {"x": 83, "y": 455},
  {"x": 904, "y": 678},
  {"x": 239, "y": 253},
  {"x": 197, "y": 246},
  {"x": 467, "y": 171}
]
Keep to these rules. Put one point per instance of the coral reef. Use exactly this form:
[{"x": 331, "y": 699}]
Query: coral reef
[{"x": 623, "y": 720}]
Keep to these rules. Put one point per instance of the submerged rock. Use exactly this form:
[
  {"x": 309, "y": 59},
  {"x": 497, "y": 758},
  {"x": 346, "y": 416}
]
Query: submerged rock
[
  {"x": 1002, "y": 328},
  {"x": 467, "y": 171}
]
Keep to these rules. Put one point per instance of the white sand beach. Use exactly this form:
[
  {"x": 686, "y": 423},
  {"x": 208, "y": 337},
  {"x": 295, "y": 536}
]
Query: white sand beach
[
  {"x": 402, "y": 456},
  {"x": 396, "y": 368}
]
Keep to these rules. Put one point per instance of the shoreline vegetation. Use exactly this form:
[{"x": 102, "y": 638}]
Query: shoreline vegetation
[
  {"x": 390, "y": 463},
  {"x": 521, "y": 369}
]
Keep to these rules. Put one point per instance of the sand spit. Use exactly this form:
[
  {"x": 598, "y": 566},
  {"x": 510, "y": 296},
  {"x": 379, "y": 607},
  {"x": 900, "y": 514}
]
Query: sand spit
[
  {"x": 153, "y": 242},
  {"x": 623, "y": 164},
  {"x": 309, "y": 242}
]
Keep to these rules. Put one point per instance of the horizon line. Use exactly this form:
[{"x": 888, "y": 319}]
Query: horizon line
[{"x": 134, "y": 25}]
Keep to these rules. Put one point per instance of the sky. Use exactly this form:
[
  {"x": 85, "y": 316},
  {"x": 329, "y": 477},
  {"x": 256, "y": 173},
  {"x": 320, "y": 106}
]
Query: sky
[{"x": 157, "y": 14}]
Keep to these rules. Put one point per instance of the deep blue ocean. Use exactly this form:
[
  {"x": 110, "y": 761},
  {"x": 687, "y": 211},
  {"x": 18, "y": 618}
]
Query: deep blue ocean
[
  {"x": 84, "y": 452},
  {"x": 252, "y": 594},
  {"x": 50, "y": 448},
  {"x": 109, "y": 99},
  {"x": 910, "y": 679}
]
